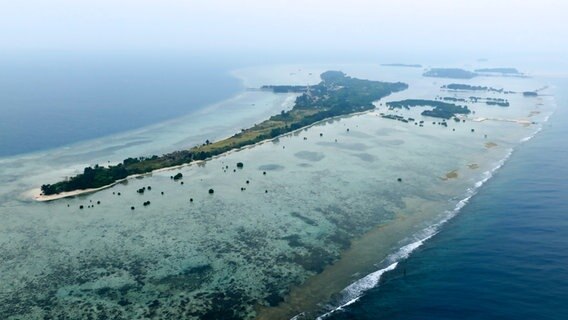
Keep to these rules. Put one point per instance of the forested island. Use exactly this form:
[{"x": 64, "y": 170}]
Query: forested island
[
  {"x": 441, "y": 109},
  {"x": 452, "y": 73},
  {"x": 467, "y": 87},
  {"x": 511, "y": 71},
  {"x": 336, "y": 95}
]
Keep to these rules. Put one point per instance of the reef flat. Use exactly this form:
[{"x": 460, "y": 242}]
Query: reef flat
[{"x": 337, "y": 94}]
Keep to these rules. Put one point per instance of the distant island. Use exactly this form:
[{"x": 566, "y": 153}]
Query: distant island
[
  {"x": 467, "y": 87},
  {"x": 452, "y": 73},
  {"x": 336, "y": 95},
  {"x": 499, "y": 70},
  {"x": 441, "y": 109},
  {"x": 491, "y": 101},
  {"x": 404, "y": 65}
]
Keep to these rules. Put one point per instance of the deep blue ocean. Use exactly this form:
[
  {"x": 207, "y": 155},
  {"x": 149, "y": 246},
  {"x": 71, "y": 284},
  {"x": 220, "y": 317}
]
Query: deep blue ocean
[
  {"x": 54, "y": 100},
  {"x": 504, "y": 256}
]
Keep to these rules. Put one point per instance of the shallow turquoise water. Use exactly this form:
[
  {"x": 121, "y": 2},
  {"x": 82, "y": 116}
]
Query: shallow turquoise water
[
  {"x": 221, "y": 255},
  {"x": 503, "y": 257}
]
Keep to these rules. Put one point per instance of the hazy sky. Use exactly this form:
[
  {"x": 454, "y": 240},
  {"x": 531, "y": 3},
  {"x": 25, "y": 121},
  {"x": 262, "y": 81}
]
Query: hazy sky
[{"x": 283, "y": 26}]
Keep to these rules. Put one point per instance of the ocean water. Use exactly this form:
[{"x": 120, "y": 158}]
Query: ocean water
[
  {"x": 56, "y": 100},
  {"x": 328, "y": 210},
  {"x": 502, "y": 257}
]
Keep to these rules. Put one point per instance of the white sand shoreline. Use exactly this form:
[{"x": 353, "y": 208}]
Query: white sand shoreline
[{"x": 36, "y": 195}]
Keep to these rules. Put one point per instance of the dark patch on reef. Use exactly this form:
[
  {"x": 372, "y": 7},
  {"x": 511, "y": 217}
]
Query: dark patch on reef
[
  {"x": 187, "y": 280},
  {"x": 385, "y": 132},
  {"x": 304, "y": 165},
  {"x": 307, "y": 220},
  {"x": 345, "y": 146},
  {"x": 393, "y": 142},
  {"x": 314, "y": 260},
  {"x": 294, "y": 240},
  {"x": 271, "y": 167},
  {"x": 310, "y": 155},
  {"x": 365, "y": 157}
]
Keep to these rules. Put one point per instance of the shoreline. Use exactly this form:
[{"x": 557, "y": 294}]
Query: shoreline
[
  {"x": 33, "y": 193},
  {"x": 308, "y": 109}
]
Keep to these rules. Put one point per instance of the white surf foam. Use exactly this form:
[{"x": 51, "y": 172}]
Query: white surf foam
[{"x": 357, "y": 289}]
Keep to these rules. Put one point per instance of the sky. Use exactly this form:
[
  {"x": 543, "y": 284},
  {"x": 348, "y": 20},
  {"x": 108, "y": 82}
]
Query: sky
[{"x": 244, "y": 26}]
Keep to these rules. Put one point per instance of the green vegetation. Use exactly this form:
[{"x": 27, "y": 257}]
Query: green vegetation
[
  {"x": 452, "y": 73},
  {"x": 441, "y": 109},
  {"x": 336, "y": 95},
  {"x": 467, "y": 87},
  {"x": 498, "y": 70},
  {"x": 453, "y": 99}
]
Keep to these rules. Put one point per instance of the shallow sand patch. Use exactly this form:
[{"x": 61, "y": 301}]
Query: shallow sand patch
[
  {"x": 490, "y": 145},
  {"x": 473, "y": 166},
  {"x": 450, "y": 175}
]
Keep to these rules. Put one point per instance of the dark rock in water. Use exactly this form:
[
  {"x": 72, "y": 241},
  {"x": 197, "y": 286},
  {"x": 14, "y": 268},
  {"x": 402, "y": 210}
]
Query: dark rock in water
[
  {"x": 118, "y": 193},
  {"x": 181, "y": 182},
  {"x": 178, "y": 176},
  {"x": 190, "y": 199},
  {"x": 98, "y": 202},
  {"x": 67, "y": 205},
  {"x": 141, "y": 190},
  {"x": 149, "y": 188},
  {"x": 240, "y": 165},
  {"x": 234, "y": 170},
  {"x": 242, "y": 189},
  {"x": 472, "y": 130},
  {"x": 347, "y": 129},
  {"x": 162, "y": 192},
  {"x": 248, "y": 182},
  {"x": 81, "y": 207},
  {"x": 264, "y": 172},
  {"x": 146, "y": 203},
  {"x": 131, "y": 208},
  {"x": 305, "y": 138},
  {"x": 211, "y": 191},
  {"x": 265, "y": 191},
  {"x": 321, "y": 134},
  {"x": 399, "y": 179}
]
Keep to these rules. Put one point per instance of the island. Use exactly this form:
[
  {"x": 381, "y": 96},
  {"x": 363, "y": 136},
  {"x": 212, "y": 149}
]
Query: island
[
  {"x": 509, "y": 71},
  {"x": 337, "y": 94},
  {"x": 491, "y": 101},
  {"x": 452, "y": 73},
  {"x": 403, "y": 65},
  {"x": 441, "y": 109},
  {"x": 467, "y": 87}
]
